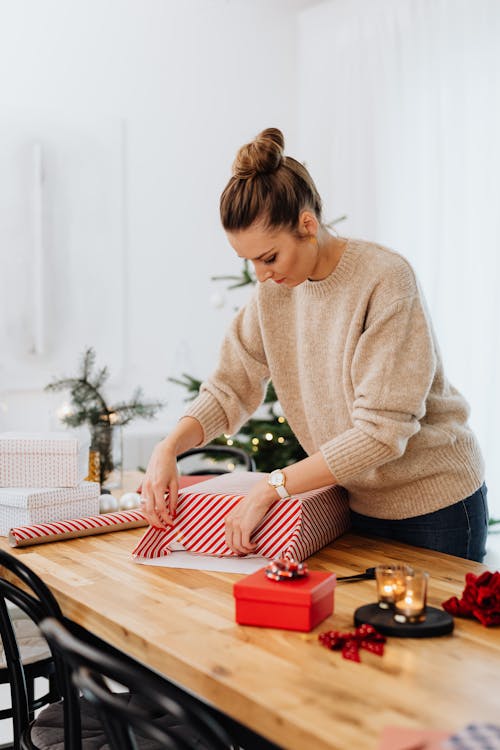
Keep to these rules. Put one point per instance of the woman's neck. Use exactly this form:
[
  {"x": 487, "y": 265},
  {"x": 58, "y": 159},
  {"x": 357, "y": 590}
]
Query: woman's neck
[{"x": 330, "y": 251}]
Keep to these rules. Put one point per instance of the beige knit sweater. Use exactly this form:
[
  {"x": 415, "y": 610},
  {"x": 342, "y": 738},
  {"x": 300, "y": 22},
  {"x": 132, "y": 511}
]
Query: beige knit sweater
[{"x": 357, "y": 370}]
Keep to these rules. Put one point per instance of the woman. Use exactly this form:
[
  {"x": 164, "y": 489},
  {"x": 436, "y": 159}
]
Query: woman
[{"x": 341, "y": 328}]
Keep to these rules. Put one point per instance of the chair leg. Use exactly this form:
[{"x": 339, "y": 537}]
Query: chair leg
[{"x": 30, "y": 689}]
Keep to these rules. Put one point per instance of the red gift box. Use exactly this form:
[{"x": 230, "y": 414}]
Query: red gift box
[{"x": 298, "y": 604}]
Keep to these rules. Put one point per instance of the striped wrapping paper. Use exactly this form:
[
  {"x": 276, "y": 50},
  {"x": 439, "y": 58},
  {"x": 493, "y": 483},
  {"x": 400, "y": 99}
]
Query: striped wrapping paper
[
  {"x": 22, "y": 536},
  {"x": 293, "y": 528}
]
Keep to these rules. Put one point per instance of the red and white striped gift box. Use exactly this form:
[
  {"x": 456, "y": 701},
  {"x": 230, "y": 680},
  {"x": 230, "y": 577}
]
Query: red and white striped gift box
[{"x": 293, "y": 528}]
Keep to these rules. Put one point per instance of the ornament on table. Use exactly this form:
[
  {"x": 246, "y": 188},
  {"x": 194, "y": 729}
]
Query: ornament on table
[
  {"x": 129, "y": 500},
  {"x": 108, "y": 503},
  {"x": 94, "y": 474},
  {"x": 350, "y": 643}
]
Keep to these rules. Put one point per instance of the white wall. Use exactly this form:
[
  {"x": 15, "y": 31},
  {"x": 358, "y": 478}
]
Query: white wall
[{"x": 182, "y": 84}]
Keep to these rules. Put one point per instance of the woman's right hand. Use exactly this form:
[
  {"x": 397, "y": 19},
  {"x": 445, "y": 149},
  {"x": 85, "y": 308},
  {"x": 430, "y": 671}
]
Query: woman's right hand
[{"x": 161, "y": 477}]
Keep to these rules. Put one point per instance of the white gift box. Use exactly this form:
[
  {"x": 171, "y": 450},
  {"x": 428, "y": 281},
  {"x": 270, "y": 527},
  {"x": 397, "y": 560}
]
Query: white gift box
[
  {"x": 22, "y": 506},
  {"x": 43, "y": 459}
]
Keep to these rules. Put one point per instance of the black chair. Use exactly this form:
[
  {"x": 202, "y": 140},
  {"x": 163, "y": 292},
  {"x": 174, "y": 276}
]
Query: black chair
[
  {"x": 152, "y": 713},
  {"x": 36, "y": 601},
  {"x": 214, "y": 459},
  {"x": 71, "y": 723},
  {"x": 37, "y": 659}
]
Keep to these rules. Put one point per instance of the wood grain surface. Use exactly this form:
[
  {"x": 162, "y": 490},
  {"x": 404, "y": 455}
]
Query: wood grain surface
[{"x": 282, "y": 684}]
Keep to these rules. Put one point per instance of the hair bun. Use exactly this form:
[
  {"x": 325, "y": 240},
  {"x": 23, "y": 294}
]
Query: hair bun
[{"x": 262, "y": 156}]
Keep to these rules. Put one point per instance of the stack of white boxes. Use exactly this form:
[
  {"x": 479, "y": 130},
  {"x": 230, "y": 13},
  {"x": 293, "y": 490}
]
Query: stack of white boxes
[{"x": 42, "y": 479}]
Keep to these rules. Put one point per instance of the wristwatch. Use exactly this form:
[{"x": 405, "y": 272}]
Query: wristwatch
[{"x": 277, "y": 480}]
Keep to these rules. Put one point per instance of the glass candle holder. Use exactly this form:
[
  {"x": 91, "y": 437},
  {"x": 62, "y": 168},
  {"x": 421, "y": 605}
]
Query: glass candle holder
[
  {"x": 411, "y": 603},
  {"x": 390, "y": 583}
]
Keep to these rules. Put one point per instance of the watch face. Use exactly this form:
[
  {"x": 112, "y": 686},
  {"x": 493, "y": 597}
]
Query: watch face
[{"x": 277, "y": 478}]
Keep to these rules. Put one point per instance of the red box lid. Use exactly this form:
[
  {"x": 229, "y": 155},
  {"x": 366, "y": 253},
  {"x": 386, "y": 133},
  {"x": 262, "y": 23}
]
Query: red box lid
[{"x": 301, "y": 591}]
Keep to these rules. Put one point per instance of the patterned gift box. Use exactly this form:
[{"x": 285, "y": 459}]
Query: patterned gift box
[
  {"x": 21, "y": 506},
  {"x": 51, "y": 459},
  {"x": 293, "y": 528}
]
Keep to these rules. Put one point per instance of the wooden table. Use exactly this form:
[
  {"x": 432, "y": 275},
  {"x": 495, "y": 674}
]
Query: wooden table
[{"x": 282, "y": 684}]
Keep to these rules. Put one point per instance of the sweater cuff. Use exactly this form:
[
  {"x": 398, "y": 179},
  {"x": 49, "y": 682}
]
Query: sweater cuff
[
  {"x": 354, "y": 452},
  {"x": 209, "y": 413}
]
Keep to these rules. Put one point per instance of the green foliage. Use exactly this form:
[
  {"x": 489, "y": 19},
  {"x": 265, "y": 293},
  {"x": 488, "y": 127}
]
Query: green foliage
[
  {"x": 89, "y": 405},
  {"x": 192, "y": 385},
  {"x": 270, "y": 439}
]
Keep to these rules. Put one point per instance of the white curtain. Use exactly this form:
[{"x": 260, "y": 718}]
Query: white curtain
[{"x": 399, "y": 112}]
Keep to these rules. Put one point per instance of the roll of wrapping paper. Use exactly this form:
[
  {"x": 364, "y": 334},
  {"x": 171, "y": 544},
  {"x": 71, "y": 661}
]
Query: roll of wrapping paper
[{"x": 41, "y": 533}]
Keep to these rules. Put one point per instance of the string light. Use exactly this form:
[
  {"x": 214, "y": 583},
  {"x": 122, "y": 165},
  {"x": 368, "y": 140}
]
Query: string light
[
  {"x": 255, "y": 441},
  {"x": 268, "y": 436},
  {"x": 281, "y": 420},
  {"x": 64, "y": 410},
  {"x": 229, "y": 442},
  {"x": 281, "y": 440}
]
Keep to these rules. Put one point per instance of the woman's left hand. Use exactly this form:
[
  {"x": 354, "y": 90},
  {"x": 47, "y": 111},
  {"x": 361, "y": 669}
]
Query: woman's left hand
[{"x": 242, "y": 520}]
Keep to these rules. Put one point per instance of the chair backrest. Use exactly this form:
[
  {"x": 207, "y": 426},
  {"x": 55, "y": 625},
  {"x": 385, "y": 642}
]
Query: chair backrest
[
  {"x": 35, "y": 599},
  {"x": 214, "y": 459},
  {"x": 157, "y": 709}
]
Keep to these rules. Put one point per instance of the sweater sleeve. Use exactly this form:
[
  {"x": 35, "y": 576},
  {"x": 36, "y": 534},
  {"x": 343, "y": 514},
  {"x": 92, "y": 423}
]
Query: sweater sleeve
[
  {"x": 392, "y": 372},
  {"x": 237, "y": 387}
]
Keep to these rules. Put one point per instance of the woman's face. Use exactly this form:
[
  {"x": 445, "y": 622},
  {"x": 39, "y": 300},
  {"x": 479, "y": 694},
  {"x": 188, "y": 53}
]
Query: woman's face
[{"x": 277, "y": 254}]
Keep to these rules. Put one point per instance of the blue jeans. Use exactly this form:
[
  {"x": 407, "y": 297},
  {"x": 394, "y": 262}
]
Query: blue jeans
[{"x": 460, "y": 529}]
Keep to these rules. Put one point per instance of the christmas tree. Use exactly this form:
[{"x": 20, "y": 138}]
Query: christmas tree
[{"x": 269, "y": 438}]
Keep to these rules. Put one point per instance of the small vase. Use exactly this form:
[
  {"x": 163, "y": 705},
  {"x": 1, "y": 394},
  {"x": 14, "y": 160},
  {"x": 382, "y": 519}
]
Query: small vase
[{"x": 107, "y": 440}]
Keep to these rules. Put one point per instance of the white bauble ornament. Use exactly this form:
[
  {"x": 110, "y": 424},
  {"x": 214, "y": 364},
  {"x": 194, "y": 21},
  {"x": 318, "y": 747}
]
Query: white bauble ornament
[
  {"x": 277, "y": 409},
  {"x": 217, "y": 300},
  {"x": 129, "y": 500},
  {"x": 107, "y": 503}
]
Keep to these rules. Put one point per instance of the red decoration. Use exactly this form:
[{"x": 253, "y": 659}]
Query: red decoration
[
  {"x": 298, "y": 604},
  {"x": 286, "y": 570},
  {"x": 366, "y": 636},
  {"x": 480, "y": 599}
]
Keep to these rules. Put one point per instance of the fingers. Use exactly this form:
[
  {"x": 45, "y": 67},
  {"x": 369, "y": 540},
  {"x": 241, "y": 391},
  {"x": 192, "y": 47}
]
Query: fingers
[
  {"x": 173, "y": 496},
  {"x": 154, "y": 506},
  {"x": 237, "y": 537}
]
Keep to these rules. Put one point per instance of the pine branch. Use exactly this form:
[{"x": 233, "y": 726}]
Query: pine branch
[
  {"x": 192, "y": 385},
  {"x": 246, "y": 277},
  {"x": 90, "y": 405},
  {"x": 332, "y": 223},
  {"x": 125, "y": 412}
]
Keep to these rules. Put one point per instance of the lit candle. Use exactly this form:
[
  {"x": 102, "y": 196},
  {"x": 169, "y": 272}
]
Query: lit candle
[
  {"x": 410, "y": 606},
  {"x": 390, "y": 583}
]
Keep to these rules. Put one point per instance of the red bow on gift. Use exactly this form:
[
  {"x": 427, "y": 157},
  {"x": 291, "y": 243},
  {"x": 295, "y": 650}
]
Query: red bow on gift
[{"x": 366, "y": 636}]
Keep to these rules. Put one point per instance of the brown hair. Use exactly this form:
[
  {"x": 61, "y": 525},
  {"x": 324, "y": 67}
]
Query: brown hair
[{"x": 268, "y": 186}]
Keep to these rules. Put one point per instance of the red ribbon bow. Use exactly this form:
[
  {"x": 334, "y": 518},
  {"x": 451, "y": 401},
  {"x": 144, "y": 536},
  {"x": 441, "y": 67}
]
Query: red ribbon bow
[
  {"x": 286, "y": 570},
  {"x": 366, "y": 636}
]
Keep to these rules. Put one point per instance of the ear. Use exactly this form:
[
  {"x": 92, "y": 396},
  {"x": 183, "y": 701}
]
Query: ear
[{"x": 308, "y": 223}]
